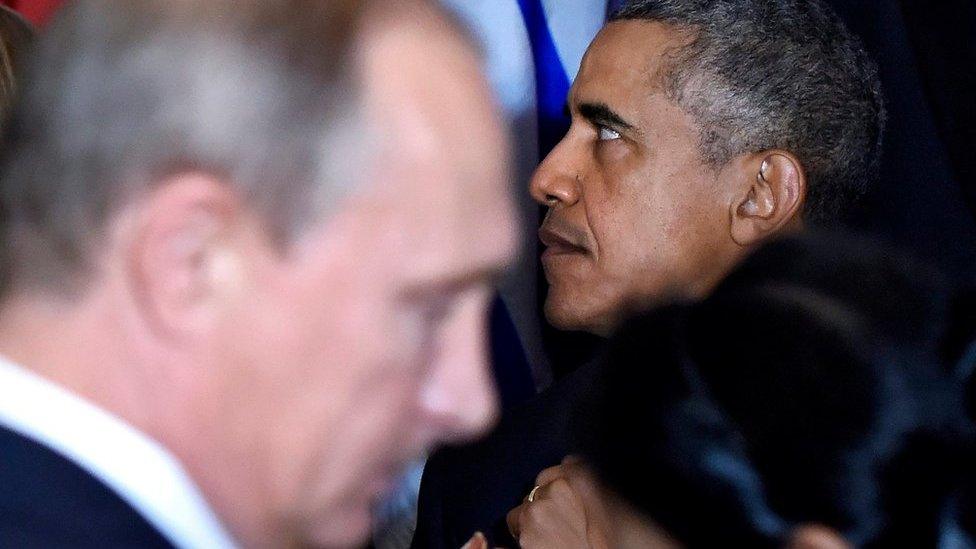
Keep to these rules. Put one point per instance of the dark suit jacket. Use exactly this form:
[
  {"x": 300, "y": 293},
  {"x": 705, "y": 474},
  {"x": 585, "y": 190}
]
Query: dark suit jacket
[
  {"x": 471, "y": 488},
  {"x": 47, "y": 501}
]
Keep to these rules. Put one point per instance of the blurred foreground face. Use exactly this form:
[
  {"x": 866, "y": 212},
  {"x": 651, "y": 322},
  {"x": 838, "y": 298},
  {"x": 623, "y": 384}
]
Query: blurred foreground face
[
  {"x": 364, "y": 344},
  {"x": 263, "y": 234},
  {"x": 634, "y": 212}
]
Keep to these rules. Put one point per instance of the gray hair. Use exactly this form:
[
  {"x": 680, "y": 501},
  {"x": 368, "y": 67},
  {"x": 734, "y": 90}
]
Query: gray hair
[
  {"x": 122, "y": 93},
  {"x": 777, "y": 74}
]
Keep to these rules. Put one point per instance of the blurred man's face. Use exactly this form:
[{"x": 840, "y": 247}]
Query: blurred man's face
[
  {"x": 365, "y": 343},
  {"x": 634, "y": 213}
]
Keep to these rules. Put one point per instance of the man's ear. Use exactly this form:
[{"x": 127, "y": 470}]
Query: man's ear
[
  {"x": 185, "y": 253},
  {"x": 770, "y": 197}
]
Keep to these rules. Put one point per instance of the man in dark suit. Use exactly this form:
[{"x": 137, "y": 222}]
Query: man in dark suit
[
  {"x": 246, "y": 269},
  {"x": 699, "y": 131}
]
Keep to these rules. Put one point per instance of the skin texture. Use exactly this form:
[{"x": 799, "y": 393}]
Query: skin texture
[
  {"x": 635, "y": 216},
  {"x": 293, "y": 384},
  {"x": 566, "y": 511}
]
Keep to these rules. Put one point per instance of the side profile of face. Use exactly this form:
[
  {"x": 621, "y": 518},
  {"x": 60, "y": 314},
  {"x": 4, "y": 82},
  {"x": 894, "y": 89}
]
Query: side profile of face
[
  {"x": 364, "y": 343},
  {"x": 635, "y": 215}
]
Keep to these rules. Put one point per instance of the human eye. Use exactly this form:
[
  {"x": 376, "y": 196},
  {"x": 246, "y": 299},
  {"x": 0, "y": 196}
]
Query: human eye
[{"x": 606, "y": 134}]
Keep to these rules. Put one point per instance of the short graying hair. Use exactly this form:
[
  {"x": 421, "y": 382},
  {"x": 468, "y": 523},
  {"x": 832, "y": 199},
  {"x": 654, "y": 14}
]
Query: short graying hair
[
  {"x": 777, "y": 74},
  {"x": 122, "y": 93}
]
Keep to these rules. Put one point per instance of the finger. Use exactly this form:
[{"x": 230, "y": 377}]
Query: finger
[
  {"x": 597, "y": 519},
  {"x": 513, "y": 520},
  {"x": 549, "y": 475},
  {"x": 582, "y": 481},
  {"x": 572, "y": 460},
  {"x": 573, "y": 466},
  {"x": 809, "y": 536},
  {"x": 556, "y": 510},
  {"x": 477, "y": 541},
  {"x": 560, "y": 493},
  {"x": 551, "y": 524}
]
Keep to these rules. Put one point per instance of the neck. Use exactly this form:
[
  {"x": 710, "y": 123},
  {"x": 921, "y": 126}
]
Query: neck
[
  {"x": 94, "y": 347},
  {"x": 73, "y": 343}
]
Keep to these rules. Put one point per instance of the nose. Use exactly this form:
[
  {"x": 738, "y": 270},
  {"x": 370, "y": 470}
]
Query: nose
[
  {"x": 459, "y": 400},
  {"x": 556, "y": 181}
]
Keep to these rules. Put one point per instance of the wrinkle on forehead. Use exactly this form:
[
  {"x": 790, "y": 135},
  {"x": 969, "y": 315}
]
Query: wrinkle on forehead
[{"x": 661, "y": 49}]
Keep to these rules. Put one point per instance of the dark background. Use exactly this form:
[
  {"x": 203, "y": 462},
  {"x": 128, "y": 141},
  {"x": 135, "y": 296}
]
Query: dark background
[{"x": 927, "y": 194}]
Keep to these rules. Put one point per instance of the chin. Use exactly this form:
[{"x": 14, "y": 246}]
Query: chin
[
  {"x": 563, "y": 316},
  {"x": 350, "y": 527}
]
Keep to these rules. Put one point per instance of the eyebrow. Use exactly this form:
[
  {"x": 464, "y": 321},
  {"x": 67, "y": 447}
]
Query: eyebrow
[{"x": 602, "y": 115}]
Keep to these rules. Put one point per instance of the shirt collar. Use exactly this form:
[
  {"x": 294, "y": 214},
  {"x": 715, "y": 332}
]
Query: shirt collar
[{"x": 137, "y": 468}]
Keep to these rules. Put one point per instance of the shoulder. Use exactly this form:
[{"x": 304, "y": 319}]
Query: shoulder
[{"x": 49, "y": 501}]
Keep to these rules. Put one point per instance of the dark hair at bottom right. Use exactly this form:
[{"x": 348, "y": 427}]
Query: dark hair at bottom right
[{"x": 812, "y": 387}]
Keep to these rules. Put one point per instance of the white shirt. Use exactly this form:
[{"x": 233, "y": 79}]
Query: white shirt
[{"x": 143, "y": 473}]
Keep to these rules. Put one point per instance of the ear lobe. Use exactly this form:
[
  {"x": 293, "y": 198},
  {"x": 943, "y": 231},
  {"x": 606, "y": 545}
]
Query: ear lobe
[
  {"x": 774, "y": 189},
  {"x": 184, "y": 236}
]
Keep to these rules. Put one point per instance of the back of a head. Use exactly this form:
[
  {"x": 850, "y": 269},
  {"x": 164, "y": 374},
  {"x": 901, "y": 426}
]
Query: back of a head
[
  {"x": 771, "y": 74},
  {"x": 789, "y": 398},
  {"x": 122, "y": 93}
]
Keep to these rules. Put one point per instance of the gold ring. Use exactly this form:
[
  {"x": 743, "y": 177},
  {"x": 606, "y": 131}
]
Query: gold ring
[{"x": 531, "y": 496}]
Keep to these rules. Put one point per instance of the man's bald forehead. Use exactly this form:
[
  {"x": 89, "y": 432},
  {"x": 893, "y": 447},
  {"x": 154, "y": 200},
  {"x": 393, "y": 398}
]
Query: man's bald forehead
[{"x": 422, "y": 14}]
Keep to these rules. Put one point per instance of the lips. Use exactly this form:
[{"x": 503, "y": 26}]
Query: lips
[{"x": 560, "y": 241}]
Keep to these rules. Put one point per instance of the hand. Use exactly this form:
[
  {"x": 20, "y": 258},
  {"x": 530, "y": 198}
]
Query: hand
[
  {"x": 566, "y": 511},
  {"x": 477, "y": 541}
]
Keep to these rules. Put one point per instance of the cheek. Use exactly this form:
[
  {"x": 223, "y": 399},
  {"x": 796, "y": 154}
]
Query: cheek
[
  {"x": 346, "y": 422},
  {"x": 376, "y": 343},
  {"x": 330, "y": 343},
  {"x": 645, "y": 239},
  {"x": 631, "y": 235}
]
